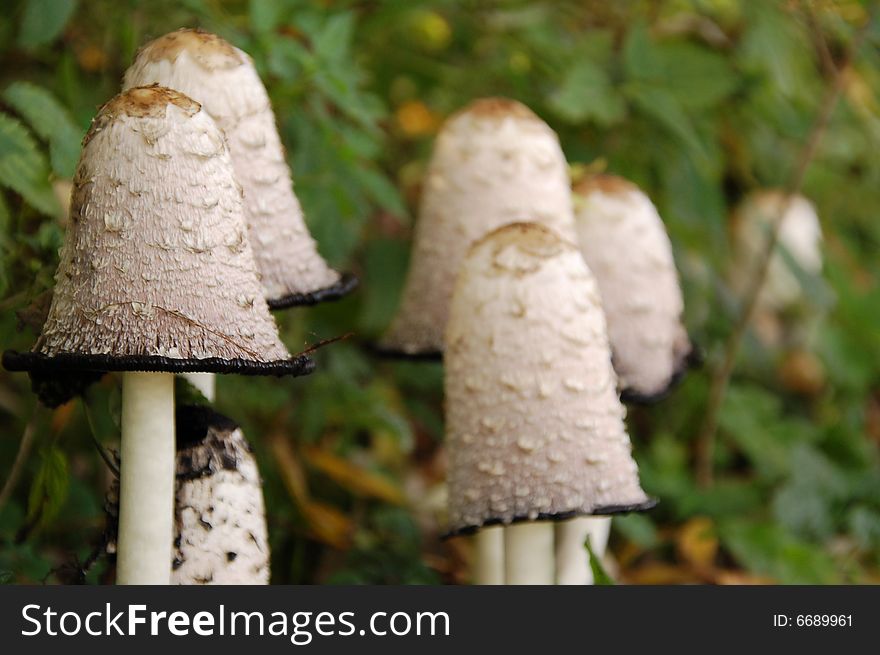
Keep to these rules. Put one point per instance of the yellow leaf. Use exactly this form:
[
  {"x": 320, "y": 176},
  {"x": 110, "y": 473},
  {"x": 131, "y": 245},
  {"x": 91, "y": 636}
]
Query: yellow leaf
[
  {"x": 355, "y": 479},
  {"x": 697, "y": 543},
  {"x": 416, "y": 119},
  {"x": 327, "y": 524},
  {"x": 291, "y": 471}
]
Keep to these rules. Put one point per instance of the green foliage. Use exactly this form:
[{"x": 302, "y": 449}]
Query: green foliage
[
  {"x": 698, "y": 102},
  {"x": 48, "y": 490},
  {"x": 43, "y": 20},
  {"x": 23, "y": 168},
  {"x": 50, "y": 120}
]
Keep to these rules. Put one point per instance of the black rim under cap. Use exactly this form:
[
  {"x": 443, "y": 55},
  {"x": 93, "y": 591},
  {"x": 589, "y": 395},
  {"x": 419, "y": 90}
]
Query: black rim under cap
[
  {"x": 606, "y": 510},
  {"x": 346, "y": 284},
  {"x": 693, "y": 360},
  {"x": 69, "y": 362}
]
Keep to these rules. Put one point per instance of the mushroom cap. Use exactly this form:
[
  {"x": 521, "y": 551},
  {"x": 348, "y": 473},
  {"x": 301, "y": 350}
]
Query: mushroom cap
[
  {"x": 534, "y": 426},
  {"x": 156, "y": 272},
  {"x": 800, "y": 234},
  {"x": 494, "y": 163},
  {"x": 220, "y": 516},
  {"x": 624, "y": 242},
  {"x": 223, "y": 79}
]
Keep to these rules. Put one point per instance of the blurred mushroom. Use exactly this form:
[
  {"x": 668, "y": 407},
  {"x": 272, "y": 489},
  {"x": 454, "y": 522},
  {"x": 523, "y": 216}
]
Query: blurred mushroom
[
  {"x": 224, "y": 80},
  {"x": 800, "y": 235},
  {"x": 156, "y": 276},
  {"x": 624, "y": 242},
  {"x": 220, "y": 518},
  {"x": 494, "y": 163},
  {"x": 534, "y": 426}
]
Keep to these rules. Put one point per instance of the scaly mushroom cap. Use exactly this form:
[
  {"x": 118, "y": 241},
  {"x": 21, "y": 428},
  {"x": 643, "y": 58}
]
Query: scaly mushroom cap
[
  {"x": 534, "y": 426},
  {"x": 494, "y": 163},
  {"x": 220, "y": 532},
  {"x": 156, "y": 272},
  {"x": 224, "y": 80},
  {"x": 220, "y": 518},
  {"x": 800, "y": 234},
  {"x": 624, "y": 242}
]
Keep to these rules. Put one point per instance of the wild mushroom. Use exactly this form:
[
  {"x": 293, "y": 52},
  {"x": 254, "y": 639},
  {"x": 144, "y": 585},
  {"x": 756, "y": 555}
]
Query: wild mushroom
[
  {"x": 800, "y": 236},
  {"x": 494, "y": 163},
  {"x": 223, "y": 79},
  {"x": 572, "y": 563},
  {"x": 624, "y": 242},
  {"x": 156, "y": 277},
  {"x": 534, "y": 425},
  {"x": 220, "y": 534},
  {"x": 220, "y": 518}
]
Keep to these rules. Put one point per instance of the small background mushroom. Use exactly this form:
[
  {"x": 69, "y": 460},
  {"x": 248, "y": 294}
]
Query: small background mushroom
[
  {"x": 624, "y": 242},
  {"x": 794, "y": 268},
  {"x": 494, "y": 163}
]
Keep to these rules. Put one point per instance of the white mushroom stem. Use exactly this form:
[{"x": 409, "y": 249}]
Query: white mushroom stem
[
  {"x": 489, "y": 556},
  {"x": 572, "y": 559},
  {"x": 206, "y": 383},
  {"x": 528, "y": 553},
  {"x": 146, "y": 493}
]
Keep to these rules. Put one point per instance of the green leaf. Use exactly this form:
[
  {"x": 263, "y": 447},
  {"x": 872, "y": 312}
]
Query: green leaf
[
  {"x": 695, "y": 76},
  {"x": 767, "y": 549},
  {"x": 50, "y": 120},
  {"x": 332, "y": 42},
  {"x": 23, "y": 168},
  {"x": 380, "y": 189},
  {"x": 585, "y": 94},
  {"x": 43, "y": 21},
  {"x": 265, "y": 15},
  {"x": 600, "y": 575},
  {"x": 49, "y": 488},
  {"x": 665, "y": 109}
]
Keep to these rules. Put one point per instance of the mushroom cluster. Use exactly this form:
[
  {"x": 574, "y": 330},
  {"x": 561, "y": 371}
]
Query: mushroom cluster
[{"x": 156, "y": 277}]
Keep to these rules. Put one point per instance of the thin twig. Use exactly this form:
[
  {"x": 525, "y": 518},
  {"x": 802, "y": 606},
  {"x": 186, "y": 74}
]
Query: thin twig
[
  {"x": 108, "y": 459},
  {"x": 24, "y": 449},
  {"x": 705, "y": 445}
]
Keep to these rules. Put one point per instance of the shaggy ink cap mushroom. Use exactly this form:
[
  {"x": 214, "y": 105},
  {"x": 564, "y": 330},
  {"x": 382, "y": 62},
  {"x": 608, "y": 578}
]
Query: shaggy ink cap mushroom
[
  {"x": 625, "y": 244},
  {"x": 800, "y": 234},
  {"x": 220, "y": 516},
  {"x": 220, "y": 534},
  {"x": 156, "y": 272},
  {"x": 534, "y": 425},
  {"x": 494, "y": 163},
  {"x": 223, "y": 79}
]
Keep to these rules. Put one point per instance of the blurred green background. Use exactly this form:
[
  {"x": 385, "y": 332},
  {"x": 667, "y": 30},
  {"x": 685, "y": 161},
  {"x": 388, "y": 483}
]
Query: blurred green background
[{"x": 698, "y": 101}]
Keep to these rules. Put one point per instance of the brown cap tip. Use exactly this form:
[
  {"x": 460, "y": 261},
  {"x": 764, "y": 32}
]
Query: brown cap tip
[
  {"x": 148, "y": 101},
  {"x": 208, "y": 49},
  {"x": 605, "y": 183},
  {"x": 497, "y": 108}
]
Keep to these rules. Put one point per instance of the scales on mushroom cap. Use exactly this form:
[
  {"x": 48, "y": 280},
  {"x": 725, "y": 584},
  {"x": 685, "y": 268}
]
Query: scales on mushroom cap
[
  {"x": 534, "y": 425},
  {"x": 624, "y": 242},
  {"x": 494, "y": 163},
  {"x": 224, "y": 80},
  {"x": 156, "y": 276}
]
